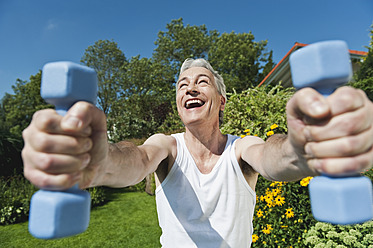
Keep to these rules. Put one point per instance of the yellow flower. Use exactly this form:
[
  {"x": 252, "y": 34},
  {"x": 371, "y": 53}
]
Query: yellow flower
[
  {"x": 243, "y": 136},
  {"x": 270, "y": 133},
  {"x": 262, "y": 198},
  {"x": 289, "y": 213},
  {"x": 268, "y": 229},
  {"x": 279, "y": 200},
  {"x": 259, "y": 213},
  {"x": 274, "y": 126},
  {"x": 268, "y": 198},
  {"x": 305, "y": 181},
  {"x": 255, "y": 238},
  {"x": 276, "y": 191},
  {"x": 247, "y": 131}
]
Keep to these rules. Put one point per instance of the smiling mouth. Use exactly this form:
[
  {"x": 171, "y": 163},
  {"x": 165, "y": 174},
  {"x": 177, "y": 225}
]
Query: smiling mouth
[{"x": 194, "y": 103}]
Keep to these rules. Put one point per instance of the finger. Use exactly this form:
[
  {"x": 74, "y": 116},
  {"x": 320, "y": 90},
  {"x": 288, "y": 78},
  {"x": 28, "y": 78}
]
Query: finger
[
  {"x": 341, "y": 147},
  {"x": 346, "y": 124},
  {"x": 49, "y": 121},
  {"x": 62, "y": 144},
  {"x": 346, "y": 99},
  {"x": 50, "y": 181},
  {"x": 308, "y": 103},
  {"x": 55, "y": 163},
  {"x": 83, "y": 115},
  {"x": 345, "y": 165}
]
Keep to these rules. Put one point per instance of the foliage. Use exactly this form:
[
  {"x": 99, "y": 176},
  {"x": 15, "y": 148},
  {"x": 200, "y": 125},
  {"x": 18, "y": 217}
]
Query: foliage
[
  {"x": 172, "y": 123},
  {"x": 282, "y": 213},
  {"x": 239, "y": 59},
  {"x": 10, "y": 154},
  {"x": 20, "y": 106},
  {"x": 145, "y": 101},
  {"x": 180, "y": 42},
  {"x": 366, "y": 85},
  {"x": 327, "y": 235},
  {"x": 257, "y": 109},
  {"x": 98, "y": 196},
  {"x": 366, "y": 69},
  {"x": 364, "y": 77},
  {"x": 15, "y": 196},
  {"x": 108, "y": 61}
]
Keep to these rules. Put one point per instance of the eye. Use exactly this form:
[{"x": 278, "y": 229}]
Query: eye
[
  {"x": 203, "y": 82},
  {"x": 182, "y": 85}
]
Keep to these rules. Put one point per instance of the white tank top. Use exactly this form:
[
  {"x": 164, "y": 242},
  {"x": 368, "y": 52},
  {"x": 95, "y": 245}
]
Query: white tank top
[{"x": 205, "y": 210}]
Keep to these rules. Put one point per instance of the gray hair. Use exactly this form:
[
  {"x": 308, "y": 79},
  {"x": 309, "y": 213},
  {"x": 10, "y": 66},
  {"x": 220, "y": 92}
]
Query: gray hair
[{"x": 219, "y": 81}]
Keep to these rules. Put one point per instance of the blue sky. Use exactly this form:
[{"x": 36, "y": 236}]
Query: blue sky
[{"x": 33, "y": 33}]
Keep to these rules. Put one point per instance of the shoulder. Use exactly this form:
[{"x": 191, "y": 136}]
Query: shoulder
[
  {"x": 249, "y": 150},
  {"x": 162, "y": 141},
  {"x": 243, "y": 144}
]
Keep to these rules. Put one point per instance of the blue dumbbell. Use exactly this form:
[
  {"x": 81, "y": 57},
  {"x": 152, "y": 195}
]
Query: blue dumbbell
[
  {"x": 338, "y": 200},
  {"x": 57, "y": 214}
]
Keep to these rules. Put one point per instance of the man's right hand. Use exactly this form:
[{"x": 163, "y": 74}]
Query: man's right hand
[{"x": 62, "y": 151}]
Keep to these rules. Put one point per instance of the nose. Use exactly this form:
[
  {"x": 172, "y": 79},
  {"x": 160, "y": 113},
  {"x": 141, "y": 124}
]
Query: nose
[{"x": 192, "y": 89}]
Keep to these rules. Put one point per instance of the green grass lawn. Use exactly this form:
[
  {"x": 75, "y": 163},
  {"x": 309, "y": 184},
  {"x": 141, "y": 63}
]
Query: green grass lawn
[{"x": 129, "y": 219}]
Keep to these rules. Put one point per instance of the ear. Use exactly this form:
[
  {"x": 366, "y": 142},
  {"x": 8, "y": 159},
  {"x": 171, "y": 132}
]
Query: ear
[{"x": 222, "y": 103}]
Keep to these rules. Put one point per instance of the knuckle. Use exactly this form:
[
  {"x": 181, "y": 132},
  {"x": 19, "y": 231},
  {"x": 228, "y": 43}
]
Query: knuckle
[
  {"x": 26, "y": 133},
  {"x": 347, "y": 146},
  {"x": 46, "y": 162},
  {"x": 43, "y": 143},
  {"x": 347, "y": 125}
]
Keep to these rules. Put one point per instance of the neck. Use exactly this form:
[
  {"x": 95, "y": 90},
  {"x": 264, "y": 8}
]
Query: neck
[{"x": 205, "y": 141}]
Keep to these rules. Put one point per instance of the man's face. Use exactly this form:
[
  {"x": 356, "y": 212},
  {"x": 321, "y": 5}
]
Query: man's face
[{"x": 197, "y": 97}]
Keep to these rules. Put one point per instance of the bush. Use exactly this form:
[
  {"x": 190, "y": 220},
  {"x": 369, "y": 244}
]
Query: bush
[
  {"x": 282, "y": 213},
  {"x": 327, "y": 235},
  {"x": 15, "y": 196},
  {"x": 98, "y": 196},
  {"x": 257, "y": 110}
]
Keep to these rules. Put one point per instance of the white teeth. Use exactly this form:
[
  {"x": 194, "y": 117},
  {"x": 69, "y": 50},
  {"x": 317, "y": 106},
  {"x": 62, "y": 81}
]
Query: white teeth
[{"x": 188, "y": 103}]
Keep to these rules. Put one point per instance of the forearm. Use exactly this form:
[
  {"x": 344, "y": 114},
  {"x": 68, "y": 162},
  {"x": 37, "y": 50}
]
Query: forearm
[
  {"x": 280, "y": 162},
  {"x": 125, "y": 165}
]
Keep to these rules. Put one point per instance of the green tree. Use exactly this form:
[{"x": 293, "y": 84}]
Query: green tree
[
  {"x": 366, "y": 69},
  {"x": 364, "y": 77},
  {"x": 20, "y": 106},
  {"x": 240, "y": 60},
  {"x": 180, "y": 42},
  {"x": 10, "y": 153},
  {"x": 109, "y": 62},
  {"x": 146, "y": 100}
]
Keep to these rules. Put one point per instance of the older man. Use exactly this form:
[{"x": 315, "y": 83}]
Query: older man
[{"x": 205, "y": 180}]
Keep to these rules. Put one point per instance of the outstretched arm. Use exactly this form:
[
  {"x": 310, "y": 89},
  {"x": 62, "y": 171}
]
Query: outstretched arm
[
  {"x": 128, "y": 164},
  {"x": 62, "y": 151},
  {"x": 326, "y": 135}
]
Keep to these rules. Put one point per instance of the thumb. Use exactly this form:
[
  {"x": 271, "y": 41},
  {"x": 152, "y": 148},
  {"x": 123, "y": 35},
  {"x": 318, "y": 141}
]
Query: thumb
[
  {"x": 308, "y": 106},
  {"x": 78, "y": 118}
]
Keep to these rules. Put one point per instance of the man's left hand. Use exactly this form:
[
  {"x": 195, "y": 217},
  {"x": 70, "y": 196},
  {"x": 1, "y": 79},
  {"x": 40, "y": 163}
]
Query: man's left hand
[{"x": 333, "y": 134}]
